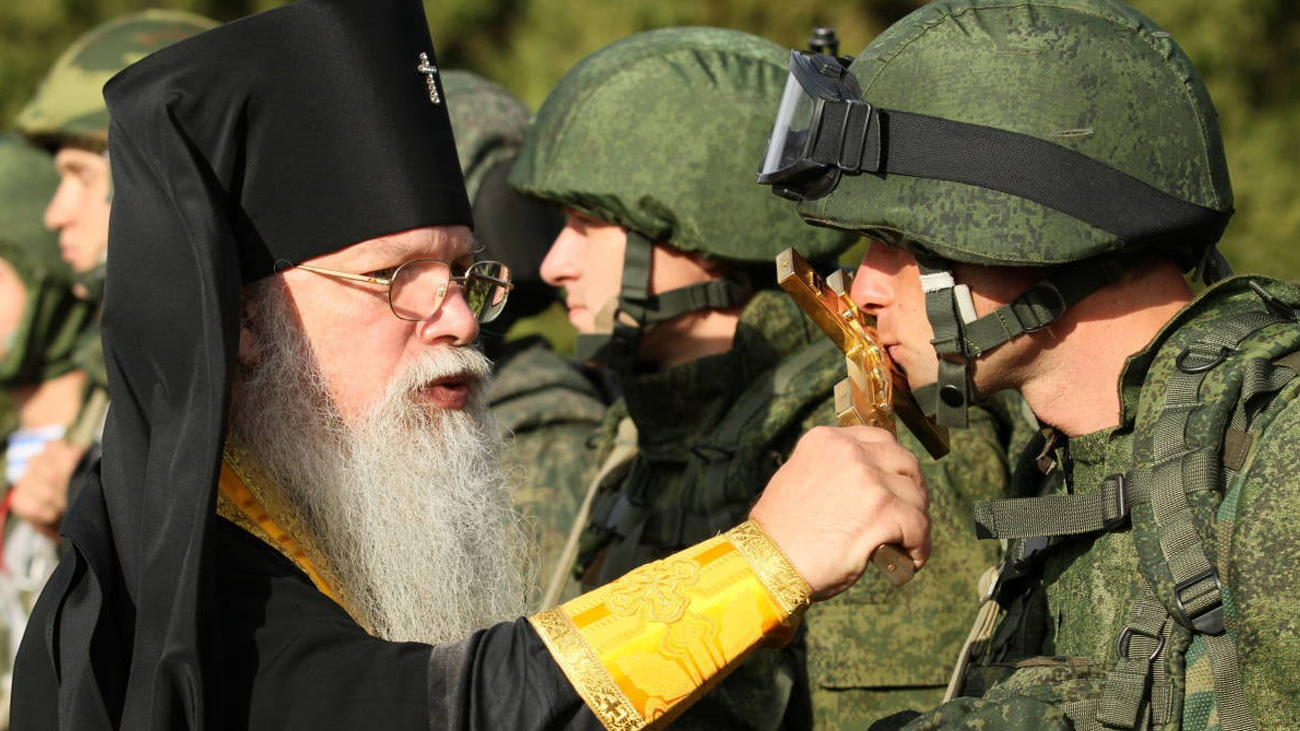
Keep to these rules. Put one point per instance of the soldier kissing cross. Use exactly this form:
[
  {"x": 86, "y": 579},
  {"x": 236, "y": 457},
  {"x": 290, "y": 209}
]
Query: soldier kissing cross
[{"x": 429, "y": 70}]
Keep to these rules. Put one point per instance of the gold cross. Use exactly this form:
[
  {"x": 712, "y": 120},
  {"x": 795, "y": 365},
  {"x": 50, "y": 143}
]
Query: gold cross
[{"x": 429, "y": 70}]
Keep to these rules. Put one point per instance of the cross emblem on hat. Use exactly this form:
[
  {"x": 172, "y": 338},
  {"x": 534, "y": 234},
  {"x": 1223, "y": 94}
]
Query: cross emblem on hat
[{"x": 428, "y": 69}]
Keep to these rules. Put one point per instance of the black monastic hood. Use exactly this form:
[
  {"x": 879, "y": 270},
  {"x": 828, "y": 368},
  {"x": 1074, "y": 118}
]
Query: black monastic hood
[{"x": 264, "y": 142}]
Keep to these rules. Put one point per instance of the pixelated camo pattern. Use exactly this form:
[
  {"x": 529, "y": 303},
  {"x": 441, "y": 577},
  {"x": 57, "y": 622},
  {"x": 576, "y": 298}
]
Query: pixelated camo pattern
[
  {"x": 1258, "y": 548},
  {"x": 874, "y": 650},
  {"x": 550, "y": 415},
  {"x": 1095, "y": 76},
  {"x": 69, "y": 104},
  {"x": 662, "y": 133},
  {"x": 488, "y": 121}
]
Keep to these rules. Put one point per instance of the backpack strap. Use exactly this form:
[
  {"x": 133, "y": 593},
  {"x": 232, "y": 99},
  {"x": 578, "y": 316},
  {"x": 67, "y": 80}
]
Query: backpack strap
[{"x": 1181, "y": 455}]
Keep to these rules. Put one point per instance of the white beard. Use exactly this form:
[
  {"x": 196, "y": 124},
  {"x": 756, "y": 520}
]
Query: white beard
[{"x": 409, "y": 505}]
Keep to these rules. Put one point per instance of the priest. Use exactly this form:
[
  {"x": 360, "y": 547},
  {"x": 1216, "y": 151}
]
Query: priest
[{"x": 299, "y": 520}]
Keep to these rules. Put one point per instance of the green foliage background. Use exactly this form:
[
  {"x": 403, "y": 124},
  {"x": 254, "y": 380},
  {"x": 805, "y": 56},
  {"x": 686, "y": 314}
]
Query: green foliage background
[{"x": 1248, "y": 51}]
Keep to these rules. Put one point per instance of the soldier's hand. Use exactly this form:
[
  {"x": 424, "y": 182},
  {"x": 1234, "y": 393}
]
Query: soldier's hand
[
  {"x": 40, "y": 496},
  {"x": 843, "y": 493}
]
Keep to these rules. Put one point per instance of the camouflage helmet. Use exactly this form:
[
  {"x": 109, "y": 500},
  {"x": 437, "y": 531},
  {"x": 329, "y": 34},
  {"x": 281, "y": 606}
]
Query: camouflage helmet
[
  {"x": 658, "y": 133},
  {"x": 1094, "y": 77},
  {"x": 68, "y": 108},
  {"x": 52, "y": 321},
  {"x": 489, "y": 123},
  {"x": 1034, "y": 133}
]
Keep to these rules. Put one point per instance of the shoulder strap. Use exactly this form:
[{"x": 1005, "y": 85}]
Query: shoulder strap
[{"x": 1182, "y": 450}]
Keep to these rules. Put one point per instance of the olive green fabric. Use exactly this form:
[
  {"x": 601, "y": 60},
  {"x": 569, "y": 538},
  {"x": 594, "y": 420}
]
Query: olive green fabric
[
  {"x": 489, "y": 123},
  {"x": 68, "y": 108},
  {"x": 661, "y": 133},
  {"x": 550, "y": 415},
  {"x": 1255, "y": 541},
  {"x": 53, "y": 320},
  {"x": 870, "y": 652},
  {"x": 1094, "y": 76}
]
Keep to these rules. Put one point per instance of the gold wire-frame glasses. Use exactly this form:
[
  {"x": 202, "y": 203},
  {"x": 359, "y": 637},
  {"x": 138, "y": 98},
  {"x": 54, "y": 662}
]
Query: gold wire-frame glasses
[{"x": 485, "y": 285}]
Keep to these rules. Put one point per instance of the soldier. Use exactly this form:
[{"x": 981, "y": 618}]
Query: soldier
[
  {"x": 550, "y": 409},
  {"x": 667, "y": 259},
  {"x": 68, "y": 118},
  {"x": 1050, "y": 171},
  {"x": 41, "y": 323}
]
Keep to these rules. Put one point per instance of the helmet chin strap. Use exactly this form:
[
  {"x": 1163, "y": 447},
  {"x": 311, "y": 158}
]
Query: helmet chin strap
[
  {"x": 621, "y": 321},
  {"x": 960, "y": 336}
]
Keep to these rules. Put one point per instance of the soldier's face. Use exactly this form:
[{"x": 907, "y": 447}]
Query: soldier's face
[
  {"x": 888, "y": 286},
  {"x": 80, "y": 207},
  {"x": 13, "y": 301},
  {"x": 586, "y": 259}
]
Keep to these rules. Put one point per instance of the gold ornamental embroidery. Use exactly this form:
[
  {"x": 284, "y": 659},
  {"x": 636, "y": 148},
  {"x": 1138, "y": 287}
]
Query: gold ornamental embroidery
[
  {"x": 655, "y": 591},
  {"x": 584, "y": 669},
  {"x": 778, "y": 575}
]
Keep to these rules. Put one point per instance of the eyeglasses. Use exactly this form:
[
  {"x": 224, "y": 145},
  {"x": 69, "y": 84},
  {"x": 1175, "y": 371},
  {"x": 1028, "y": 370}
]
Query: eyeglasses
[{"x": 417, "y": 288}]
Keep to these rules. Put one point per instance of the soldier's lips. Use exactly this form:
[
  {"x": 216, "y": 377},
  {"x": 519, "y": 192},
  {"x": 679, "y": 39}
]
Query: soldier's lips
[{"x": 450, "y": 392}]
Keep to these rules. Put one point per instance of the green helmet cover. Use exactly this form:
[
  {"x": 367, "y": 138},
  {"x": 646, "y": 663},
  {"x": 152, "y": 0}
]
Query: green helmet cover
[
  {"x": 53, "y": 319},
  {"x": 488, "y": 121},
  {"x": 1094, "y": 76},
  {"x": 659, "y": 133},
  {"x": 68, "y": 108}
]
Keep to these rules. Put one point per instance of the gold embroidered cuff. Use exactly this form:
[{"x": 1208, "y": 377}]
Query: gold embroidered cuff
[{"x": 640, "y": 649}]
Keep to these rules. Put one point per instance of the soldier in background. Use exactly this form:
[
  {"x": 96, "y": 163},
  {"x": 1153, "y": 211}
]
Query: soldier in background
[
  {"x": 68, "y": 118},
  {"x": 548, "y": 407},
  {"x": 1053, "y": 172},
  {"x": 41, "y": 324},
  {"x": 667, "y": 260}
]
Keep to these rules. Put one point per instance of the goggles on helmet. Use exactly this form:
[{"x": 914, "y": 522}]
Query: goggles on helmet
[{"x": 823, "y": 128}]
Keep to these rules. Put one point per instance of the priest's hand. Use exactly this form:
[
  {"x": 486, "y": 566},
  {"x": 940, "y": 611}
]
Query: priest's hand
[
  {"x": 40, "y": 496},
  {"x": 843, "y": 493}
]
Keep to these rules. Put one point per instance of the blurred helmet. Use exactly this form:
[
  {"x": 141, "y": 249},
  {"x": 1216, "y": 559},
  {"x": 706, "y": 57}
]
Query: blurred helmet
[
  {"x": 53, "y": 319},
  {"x": 489, "y": 123},
  {"x": 1037, "y": 133},
  {"x": 657, "y": 133},
  {"x": 68, "y": 108}
]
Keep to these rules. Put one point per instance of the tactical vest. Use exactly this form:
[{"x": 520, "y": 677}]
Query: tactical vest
[
  {"x": 1229, "y": 379},
  {"x": 631, "y": 525}
]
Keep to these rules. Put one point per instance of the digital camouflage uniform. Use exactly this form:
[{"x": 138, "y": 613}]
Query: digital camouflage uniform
[
  {"x": 548, "y": 410},
  {"x": 632, "y": 136},
  {"x": 1150, "y": 581}
]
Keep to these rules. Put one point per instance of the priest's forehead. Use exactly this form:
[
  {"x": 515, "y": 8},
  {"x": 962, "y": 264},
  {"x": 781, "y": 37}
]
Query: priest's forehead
[{"x": 449, "y": 243}]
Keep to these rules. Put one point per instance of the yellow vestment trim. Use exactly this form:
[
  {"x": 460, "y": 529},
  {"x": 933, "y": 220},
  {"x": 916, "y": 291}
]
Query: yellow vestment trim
[
  {"x": 639, "y": 649},
  {"x": 234, "y": 496}
]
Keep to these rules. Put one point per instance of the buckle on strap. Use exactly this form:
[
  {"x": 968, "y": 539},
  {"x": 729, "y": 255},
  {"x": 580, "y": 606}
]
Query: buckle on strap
[
  {"x": 1207, "y": 619},
  {"x": 1126, "y": 636},
  {"x": 1025, "y": 307}
]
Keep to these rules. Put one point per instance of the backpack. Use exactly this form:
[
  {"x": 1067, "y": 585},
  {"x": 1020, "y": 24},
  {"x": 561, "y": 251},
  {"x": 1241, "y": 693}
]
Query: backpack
[{"x": 1210, "y": 390}]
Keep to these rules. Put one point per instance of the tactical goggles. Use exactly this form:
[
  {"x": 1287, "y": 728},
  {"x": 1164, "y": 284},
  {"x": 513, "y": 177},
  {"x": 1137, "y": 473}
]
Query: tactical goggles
[
  {"x": 811, "y": 144},
  {"x": 824, "y": 130}
]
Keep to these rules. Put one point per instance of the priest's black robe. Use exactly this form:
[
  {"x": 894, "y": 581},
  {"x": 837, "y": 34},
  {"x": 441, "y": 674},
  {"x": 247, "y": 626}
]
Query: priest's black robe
[{"x": 290, "y": 658}]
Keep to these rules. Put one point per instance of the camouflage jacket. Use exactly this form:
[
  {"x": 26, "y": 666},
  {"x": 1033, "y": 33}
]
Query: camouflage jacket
[
  {"x": 780, "y": 372},
  {"x": 1088, "y": 584},
  {"x": 550, "y": 414}
]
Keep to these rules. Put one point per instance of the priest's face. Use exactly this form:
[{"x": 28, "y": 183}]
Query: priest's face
[
  {"x": 376, "y": 433},
  {"x": 360, "y": 345}
]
